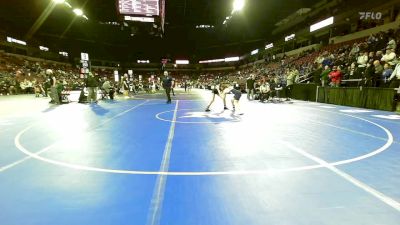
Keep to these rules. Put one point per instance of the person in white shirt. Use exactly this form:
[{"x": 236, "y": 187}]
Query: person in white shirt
[
  {"x": 354, "y": 50},
  {"x": 395, "y": 77},
  {"x": 392, "y": 44},
  {"x": 265, "y": 90},
  {"x": 319, "y": 59},
  {"x": 108, "y": 89},
  {"x": 389, "y": 57},
  {"x": 362, "y": 59}
]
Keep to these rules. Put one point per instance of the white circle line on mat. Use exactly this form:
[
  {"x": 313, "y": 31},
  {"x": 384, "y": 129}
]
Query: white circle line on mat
[{"x": 204, "y": 173}]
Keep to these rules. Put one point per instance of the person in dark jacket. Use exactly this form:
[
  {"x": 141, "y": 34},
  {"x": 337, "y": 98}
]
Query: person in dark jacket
[
  {"x": 250, "y": 86},
  {"x": 316, "y": 75},
  {"x": 92, "y": 84},
  {"x": 167, "y": 85},
  {"x": 368, "y": 75},
  {"x": 108, "y": 88},
  {"x": 377, "y": 77}
]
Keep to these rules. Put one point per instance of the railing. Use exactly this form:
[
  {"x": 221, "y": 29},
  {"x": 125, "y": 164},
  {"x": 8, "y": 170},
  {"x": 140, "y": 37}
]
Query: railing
[
  {"x": 362, "y": 97},
  {"x": 305, "y": 78}
]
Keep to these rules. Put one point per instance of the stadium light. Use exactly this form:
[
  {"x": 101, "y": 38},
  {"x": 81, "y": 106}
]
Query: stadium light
[
  {"x": 182, "y": 62},
  {"x": 238, "y": 5},
  {"x": 139, "y": 19},
  {"x": 13, "y": 40},
  {"x": 290, "y": 37},
  {"x": 232, "y": 59},
  {"x": 254, "y": 52},
  {"x": 321, "y": 24},
  {"x": 212, "y": 61},
  {"x": 268, "y": 46},
  {"x": 42, "y": 48},
  {"x": 78, "y": 12},
  {"x": 58, "y": 1},
  {"x": 63, "y": 54}
]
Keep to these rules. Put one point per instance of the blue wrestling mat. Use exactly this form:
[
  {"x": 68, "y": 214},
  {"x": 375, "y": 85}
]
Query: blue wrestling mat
[{"x": 144, "y": 162}]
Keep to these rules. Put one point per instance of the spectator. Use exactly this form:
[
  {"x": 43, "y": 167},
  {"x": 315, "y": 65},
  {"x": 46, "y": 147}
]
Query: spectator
[
  {"x": 324, "y": 76},
  {"x": 391, "y": 44},
  {"x": 265, "y": 90},
  {"x": 389, "y": 57},
  {"x": 336, "y": 76},
  {"x": 362, "y": 60},
  {"x": 355, "y": 50},
  {"x": 316, "y": 75},
  {"x": 387, "y": 72},
  {"x": 327, "y": 61},
  {"x": 371, "y": 57},
  {"x": 395, "y": 77},
  {"x": 381, "y": 42},
  {"x": 351, "y": 71},
  {"x": 378, "y": 55},
  {"x": 108, "y": 89},
  {"x": 291, "y": 78},
  {"x": 368, "y": 75},
  {"x": 377, "y": 77}
]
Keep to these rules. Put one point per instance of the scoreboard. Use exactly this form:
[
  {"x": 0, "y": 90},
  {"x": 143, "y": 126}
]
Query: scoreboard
[
  {"x": 139, "y": 7},
  {"x": 143, "y": 16}
]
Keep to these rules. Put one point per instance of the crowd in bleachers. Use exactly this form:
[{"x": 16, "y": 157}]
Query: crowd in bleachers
[
  {"x": 20, "y": 74},
  {"x": 363, "y": 62},
  {"x": 370, "y": 62}
]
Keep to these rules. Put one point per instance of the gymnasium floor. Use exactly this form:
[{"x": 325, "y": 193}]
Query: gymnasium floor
[{"x": 143, "y": 162}]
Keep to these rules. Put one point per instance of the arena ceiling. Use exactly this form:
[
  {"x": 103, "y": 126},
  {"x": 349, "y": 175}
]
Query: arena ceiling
[{"x": 249, "y": 29}]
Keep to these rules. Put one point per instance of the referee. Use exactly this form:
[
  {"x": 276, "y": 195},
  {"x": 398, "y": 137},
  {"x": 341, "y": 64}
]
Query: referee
[{"x": 167, "y": 85}]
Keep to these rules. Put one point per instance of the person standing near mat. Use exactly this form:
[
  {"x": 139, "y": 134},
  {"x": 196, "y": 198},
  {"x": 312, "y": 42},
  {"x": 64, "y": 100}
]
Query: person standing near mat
[
  {"x": 167, "y": 85},
  {"x": 395, "y": 77},
  {"x": 125, "y": 86},
  {"x": 92, "y": 84},
  {"x": 173, "y": 86},
  {"x": 186, "y": 85},
  {"x": 250, "y": 86}
]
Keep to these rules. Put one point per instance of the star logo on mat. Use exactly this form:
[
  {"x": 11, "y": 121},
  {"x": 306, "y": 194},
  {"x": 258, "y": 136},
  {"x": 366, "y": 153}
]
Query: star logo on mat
[{"x": 207, "y": 115}]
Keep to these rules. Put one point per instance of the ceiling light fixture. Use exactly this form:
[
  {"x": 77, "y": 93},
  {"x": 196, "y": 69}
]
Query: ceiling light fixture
[
  {"x": 238, "y": 5},
  {"x": 58, "y": 1},
  {"x": 78, "y": 12}
]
